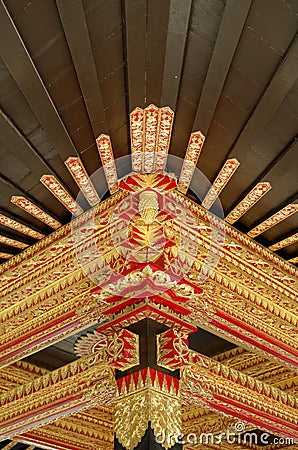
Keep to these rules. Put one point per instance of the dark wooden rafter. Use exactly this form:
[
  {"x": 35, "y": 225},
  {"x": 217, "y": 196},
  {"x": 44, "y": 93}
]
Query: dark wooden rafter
[
  {"x": 15, "y": 445},
  {"x": 292, "y": 199},
  {"x": 9, "y": 250},
  {"x": 157, "y": 26},
  {"x": 11, "y": 445},
  {"x": 279, "y": 163},
  {"x": 9, "y": 233},
  {"x": 23, "y": 70},
  {"x": 16, "y": 190},
  {"x": 22, "y": 149},
  {"x": 75, "y": 27},
  {"x": 229, "y": 33},
  {"x": 274, "y": 95},
  {"x": 23, "y": 222},
  {"x": 135, "y": 12},
  {"x": 163, "y": 44},
  {"x": 284, "y": 236},
  {"x": 175, "y": 49}
]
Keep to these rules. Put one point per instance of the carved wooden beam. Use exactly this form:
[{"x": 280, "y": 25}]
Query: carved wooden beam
[
  {"x": 226, "y": 390},
  {"x": 67, "y": 390},
  {"x": 92, "y": 428},
  {"x": 249, "y": 293},
  {"x": 64, "y": 391}
]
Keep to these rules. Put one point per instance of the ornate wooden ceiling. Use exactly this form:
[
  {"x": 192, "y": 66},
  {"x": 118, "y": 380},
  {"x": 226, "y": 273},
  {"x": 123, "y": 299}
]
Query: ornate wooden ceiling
[{"x": 73, "y": 70}]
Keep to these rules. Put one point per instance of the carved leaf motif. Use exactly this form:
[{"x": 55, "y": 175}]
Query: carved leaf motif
[{"x": 131, "y": 419}]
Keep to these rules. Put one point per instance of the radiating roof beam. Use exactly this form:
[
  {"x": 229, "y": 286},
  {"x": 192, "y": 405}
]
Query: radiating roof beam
[
  {"x": 5, "y": 255},
  {"x": 150, "y": 131},
  {"x": 255, "y": 195},
  {"x": 281, "y": 84},
  {"x": 76, "y": 31},
  {"x": 17, "y": 226},
  {"x": 279, "y": 163},
  {"x": 20, "y": 146},
  {"x": 23, "y": 70},
  {"x": 273, "y": 220},
  {"x": 56, "y": 188},
  {"x": 229, "y": 33},
  {"x": 166, "y": 120},
  {"x": 10, "y": 445},
  {"x": 293, "y": 260},
  {"x": 107, "y": 158},
  {"x": 191, "y": 158},
  {"x": 79, "y": 174},
  {"x": 293, "y": 239},
  {"x": 150, "y": 137},
  {"x": 12, "y": 242},
  {"x": 137, "y": 125},
  {"x": 224, "y": 176},
  {"x": 135, "y": 16},
  {"x": 175, "y": 50},
  {"x": 35, "y": 211},
  {"x": 30, "y": 202}
]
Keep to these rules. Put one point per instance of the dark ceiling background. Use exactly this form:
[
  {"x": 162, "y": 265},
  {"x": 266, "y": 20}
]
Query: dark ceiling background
[{"x": 71, "y": 69}]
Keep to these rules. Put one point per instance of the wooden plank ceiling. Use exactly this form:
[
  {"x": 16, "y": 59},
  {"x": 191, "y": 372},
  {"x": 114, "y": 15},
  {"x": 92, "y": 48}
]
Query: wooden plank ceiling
[{"x": 72, "y": 69}]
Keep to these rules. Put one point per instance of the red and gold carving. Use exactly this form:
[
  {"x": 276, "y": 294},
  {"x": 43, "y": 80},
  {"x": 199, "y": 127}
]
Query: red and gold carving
[
  {"x": 191, "y": 158},
  {"x": 127, "y": 265},
  {"x": 166, "y": 119},
  {"x": 233, "y": 393},
  {"x": 294, "y": 260},
  {"x": 46, "y": 281},
  {"x": 79, "y": 174},
  {"x": 143, "y": 397},
  {"x": 79, "y": 427},
  {"x": 226, "y": 390},
  {"x": 150, "y": 138},
  {"x": 278, "y": 217},
  {"x": 139, "y": 182},
  {"x": 137, "y": 125},
  {"x": 91, "y": 427},
  {"x": 12, "y": 242},
  {"x": 35, "y": 211},
  {"x": 17, "y": 226},
  {"x": 56, "y": 188},
  {"x": 121, "y": 349},
  {"x": 248, "y": 202},
  {"x": 285, "y": 242},
  {"x": 4, "y": 255},
  {"x": 107, "y": 158},
  {"x": 224, "y": 176},
  {"x": 59, "y": 393}
]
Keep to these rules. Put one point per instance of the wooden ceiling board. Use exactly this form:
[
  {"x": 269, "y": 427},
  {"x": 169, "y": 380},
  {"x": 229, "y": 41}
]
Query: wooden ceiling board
[
  {"x": 69, "y": 74},
  {"x": 157, "y": 27},
  {"x": 203, "y": 28}
]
